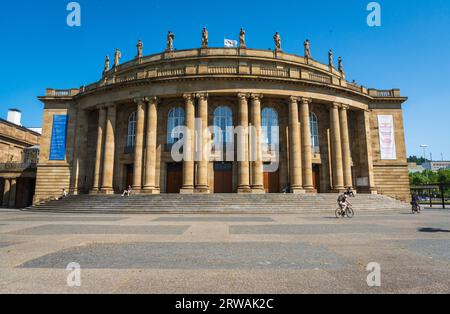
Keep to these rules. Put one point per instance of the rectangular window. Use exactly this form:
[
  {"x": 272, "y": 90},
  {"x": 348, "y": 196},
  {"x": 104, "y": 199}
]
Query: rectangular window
[{"x": 59, "y": 138}]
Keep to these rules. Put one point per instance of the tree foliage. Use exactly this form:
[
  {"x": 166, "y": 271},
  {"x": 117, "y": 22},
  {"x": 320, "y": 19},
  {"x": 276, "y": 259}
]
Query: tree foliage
[{"x": 418, "y": 160}]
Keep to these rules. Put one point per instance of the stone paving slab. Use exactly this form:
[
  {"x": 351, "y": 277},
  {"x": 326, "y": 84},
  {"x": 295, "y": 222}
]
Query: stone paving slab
[
  {"x": 62, "y": 218},
  {"x": 101, "y": 229},
  {"x": 195, "y": 256},
  {"x": 214, "y": 219},
  {"x": 438, "y": 249},
  {"x": 309, "y": 229}
]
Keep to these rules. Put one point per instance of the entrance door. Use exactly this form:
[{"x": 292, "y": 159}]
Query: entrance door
[
  {"x": 272, "y": 182},
  {"x": 174, "y": 178},
  {"x": 223, "y": 177},
  {"x": 316, "y": 177},
  {"x": 129, "y": 177}
]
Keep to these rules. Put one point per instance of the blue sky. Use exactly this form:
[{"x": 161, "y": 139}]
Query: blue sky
[{"x": 410, "y": 51}]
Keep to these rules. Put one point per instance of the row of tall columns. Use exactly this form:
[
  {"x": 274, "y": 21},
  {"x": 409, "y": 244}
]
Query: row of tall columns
[
  {"x": 340, "y": 148},
  {"x": 144, "y": 174},
  {"x": 300, "y": 152},
  {"x": 9, "y": 192},
  {"x": 104, "y": 161},
  {"x": 144, "y": 177},
  {"x": 257, "y": 175}
]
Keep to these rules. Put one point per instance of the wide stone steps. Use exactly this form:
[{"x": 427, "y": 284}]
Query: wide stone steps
[{"x": 215, "y": 203}]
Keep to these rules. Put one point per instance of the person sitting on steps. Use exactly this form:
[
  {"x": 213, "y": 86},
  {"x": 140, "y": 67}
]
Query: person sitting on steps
[{"x": 127, "y": 191}]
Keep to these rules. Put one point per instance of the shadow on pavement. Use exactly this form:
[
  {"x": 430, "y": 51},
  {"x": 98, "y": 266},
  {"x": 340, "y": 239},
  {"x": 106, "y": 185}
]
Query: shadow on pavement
[{"x": 433, "y": 230}]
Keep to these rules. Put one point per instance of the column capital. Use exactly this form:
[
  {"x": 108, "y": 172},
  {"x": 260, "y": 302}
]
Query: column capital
[
  {"x": 243, "y": 96},
  {"x": 256, "y": 97},
  {"x": 202, "y": 96},
  {"x": 188, "y": 97},
  {"x": 306, "y": 100},
  {"x": 345, "y": 107},
  {"x": 101, "y": 106},
  {"x": 336, "y": 105},
  {"x": 293, "y": 99},
  {"x": 152, "y": 100},
  {"x": 140, "y": 100}
]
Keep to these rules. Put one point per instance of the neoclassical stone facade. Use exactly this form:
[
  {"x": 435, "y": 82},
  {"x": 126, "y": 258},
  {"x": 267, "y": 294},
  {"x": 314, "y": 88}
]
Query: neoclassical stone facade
[{"x": 121, "y": 129}]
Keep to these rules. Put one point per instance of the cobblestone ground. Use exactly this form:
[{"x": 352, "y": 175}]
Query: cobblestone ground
[{"x": 225, "y": 253}]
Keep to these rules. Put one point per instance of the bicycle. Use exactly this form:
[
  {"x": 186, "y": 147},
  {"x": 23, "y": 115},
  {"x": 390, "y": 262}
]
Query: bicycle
[
  {"x": 349, "y": 212},
  {"x": 416, "y": 209}
]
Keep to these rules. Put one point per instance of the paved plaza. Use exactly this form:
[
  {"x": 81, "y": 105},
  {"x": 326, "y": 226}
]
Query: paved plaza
[{"x": 295, "y": 253}]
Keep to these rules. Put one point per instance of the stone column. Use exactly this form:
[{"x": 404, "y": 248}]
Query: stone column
[
  {"x": 6, "y": 190},
  {"x": 99, "y": 151},
  {"x": 306, "y": 145},
  {"x": 108, "y": 156},
  {"x": 242, "y": 146},
  {"x": 151, "y": 137},
  {"x": 12, "y": 194},
  {"x": 295, "y": 150},
  {"x": 188, "y": 167},
  {"x": 139, "y": 144},
  {"x": 346, "y": 153},
  {"x": 202, "y": 182},
  {"x": 336, "y": 149},
  {"x": 257, "y": 164},
  {"x": 78, "y": 160}
]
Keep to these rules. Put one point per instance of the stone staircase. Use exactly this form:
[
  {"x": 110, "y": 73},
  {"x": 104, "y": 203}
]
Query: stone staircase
[{"x": 215, "y": 203}]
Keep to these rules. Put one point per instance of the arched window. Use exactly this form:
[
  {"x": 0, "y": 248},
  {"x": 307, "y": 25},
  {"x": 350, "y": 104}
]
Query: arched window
[
  {"x": 314, "y": 123},
  {"x": 223, "y": 121},
  {"x": 176, "y": 118},
  {"x": 270, "y": 128},
  {"x": 131, "y": 134}
]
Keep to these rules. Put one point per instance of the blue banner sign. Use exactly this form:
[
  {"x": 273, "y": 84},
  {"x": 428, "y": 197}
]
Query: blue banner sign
[{"x": 59, "y": 136}]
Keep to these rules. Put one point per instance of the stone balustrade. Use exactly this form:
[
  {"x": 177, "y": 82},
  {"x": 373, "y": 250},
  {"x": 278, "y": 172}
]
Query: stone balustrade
[{"x": 213, "y": 61}]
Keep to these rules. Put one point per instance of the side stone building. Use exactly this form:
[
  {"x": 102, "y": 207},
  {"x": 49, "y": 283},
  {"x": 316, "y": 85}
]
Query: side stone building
[
  {"x": 323, "y": 132},
  {"x": 19, "y": 154}
]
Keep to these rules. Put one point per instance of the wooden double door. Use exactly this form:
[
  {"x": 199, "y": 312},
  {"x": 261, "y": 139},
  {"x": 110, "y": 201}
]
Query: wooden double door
[
  {"x": 223, "y": 177},
  {"x": 272, "y": 182},
  {"x": 174, "y": 177}
]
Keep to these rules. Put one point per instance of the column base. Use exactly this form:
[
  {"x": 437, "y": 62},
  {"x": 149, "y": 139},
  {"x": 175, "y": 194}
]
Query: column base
[
  {"x": 297, "y": 190},
  {"x": 94, "y": 191},
  {"x": 150, "y": 191},
  {"x": 310, "y": 189},
  {"x": 202, "y": 190},
  {"x": 187, "y": 191},
  {"x": 244, "y": 189},
  {"x": 107, "y": 191},
  {"x": 258, "y": 190}
]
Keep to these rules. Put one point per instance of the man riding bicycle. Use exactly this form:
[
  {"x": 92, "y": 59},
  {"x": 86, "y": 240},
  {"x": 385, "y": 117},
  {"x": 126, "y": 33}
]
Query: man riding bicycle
[{"x": 343, "y": 202}]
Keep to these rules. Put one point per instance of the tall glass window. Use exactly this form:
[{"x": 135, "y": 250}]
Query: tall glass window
[
  {"x": 314, "y": 123},
  {"x": 223, "y": 121},
  {"x": 270, "y": 128},
  {"x": 131, "y": 134},
  {"x": 176, "y": 118}
]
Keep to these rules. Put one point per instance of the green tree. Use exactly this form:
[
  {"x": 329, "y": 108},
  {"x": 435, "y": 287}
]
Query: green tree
[
  {"x": 417, "y": 160},
  {"x": 444, "y": 176},
  {"x": 418, "y": 179}
]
